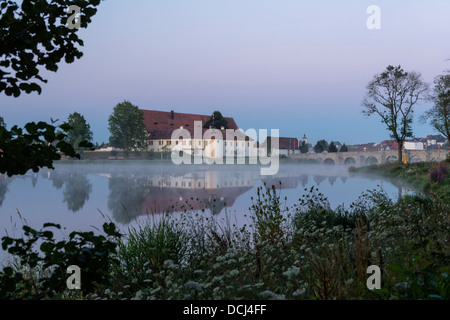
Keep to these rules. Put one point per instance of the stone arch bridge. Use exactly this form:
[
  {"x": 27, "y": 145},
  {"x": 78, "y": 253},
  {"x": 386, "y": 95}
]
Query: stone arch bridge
[{"x": 362, "y": 158}]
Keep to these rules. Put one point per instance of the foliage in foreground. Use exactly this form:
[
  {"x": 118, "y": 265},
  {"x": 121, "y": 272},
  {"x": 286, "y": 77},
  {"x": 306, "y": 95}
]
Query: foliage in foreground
[
  {"x": 42, "y": 274},
  {"x": 35, "y": 146},
  {"x": 307, "y": 251}
]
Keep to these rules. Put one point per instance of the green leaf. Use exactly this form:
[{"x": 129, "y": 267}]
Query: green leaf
[
  {"x": 6, "y": 241},
  {"x": 396, "y": 269},
  {"x": 49, "y": 224}
]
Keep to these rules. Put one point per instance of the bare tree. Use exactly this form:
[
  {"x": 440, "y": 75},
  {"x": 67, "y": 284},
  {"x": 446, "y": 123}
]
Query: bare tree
[
  {"x": 439, "y": 114},
  {"x": 392, "y": 96}
]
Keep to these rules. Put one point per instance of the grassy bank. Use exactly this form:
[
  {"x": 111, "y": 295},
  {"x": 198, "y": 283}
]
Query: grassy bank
[
  {"x": 427, "y": 177},
  {"x": 308, "y": 251}
]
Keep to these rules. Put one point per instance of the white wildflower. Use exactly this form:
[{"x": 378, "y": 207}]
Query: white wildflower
[
  {"x": 194, "y": 286},
  {"x": 299, "y": 292},
  {"x": 292, "y": 272}
]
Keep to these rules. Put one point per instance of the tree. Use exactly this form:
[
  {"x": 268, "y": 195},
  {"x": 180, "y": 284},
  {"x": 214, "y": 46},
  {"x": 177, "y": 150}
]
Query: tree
[
  {"x": 337, "y": 144},
  {"x": 304, "y": 147},
  {"x": 127, "y": 195},
  {"x": 36, "y": 146},
  {"x": 321, "y": 146},
  {"x": 216, "y": 121},
  {"x": 165, "y": 152},
  {"x": 318, "y": 148},
  {"x": 127, "y": 127},
  {"x": 344, "y": 148},
  {"x": 392, "y": 95},
  {"x": 34, "y": 35},
  {"x": 80, "y": 130},
  {"x": 76, "y": 191},
  {"x": 2, "y": 122},
  {"x": 332, "y": 147},
  {"x": 439, "y": 114}
]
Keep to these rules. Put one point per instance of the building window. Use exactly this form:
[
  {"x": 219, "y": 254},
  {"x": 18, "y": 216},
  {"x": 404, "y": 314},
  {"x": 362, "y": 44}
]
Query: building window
[{"x": 151, "y": 143}]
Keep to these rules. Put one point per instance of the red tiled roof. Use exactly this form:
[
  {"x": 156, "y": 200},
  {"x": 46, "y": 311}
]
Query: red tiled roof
[
  {"x": 286, "y": 143},
  {"x": 438, "y": 138},
  {"x": 392, "y": 144},
  {"x": 160, "y": 124}
]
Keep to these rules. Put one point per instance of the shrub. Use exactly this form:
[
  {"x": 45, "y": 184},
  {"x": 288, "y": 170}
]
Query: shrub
[
  {"x": 268, "y": 214},
  {"x": 438, "y": 175},
  {"x": 43, "y": 274},
  {"x": 147, "y": 248}
]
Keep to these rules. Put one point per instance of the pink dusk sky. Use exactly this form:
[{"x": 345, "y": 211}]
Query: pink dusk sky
[{"x": 297, "y": 66}]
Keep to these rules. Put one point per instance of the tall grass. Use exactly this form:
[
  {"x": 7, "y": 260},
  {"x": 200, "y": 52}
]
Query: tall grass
[
  {"x": 146, "y": 248},
  {"x": 308, "y": 251}
]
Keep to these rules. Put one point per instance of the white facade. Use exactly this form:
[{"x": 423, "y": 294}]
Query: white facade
[
  {"x": 212, "y": 148},
  {"x": 413, "y": 145},
  {"x": 105, "y": 149},
  {"x": 204, "y": 180},
  {"x": 432, "y": 142}
]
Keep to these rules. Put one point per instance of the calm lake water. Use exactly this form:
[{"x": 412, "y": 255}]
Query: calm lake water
[{"x": 83, "y": 196}]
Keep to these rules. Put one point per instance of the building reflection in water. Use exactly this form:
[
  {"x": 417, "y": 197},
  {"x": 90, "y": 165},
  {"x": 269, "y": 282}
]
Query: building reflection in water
[{"x": 132, "y": 196}]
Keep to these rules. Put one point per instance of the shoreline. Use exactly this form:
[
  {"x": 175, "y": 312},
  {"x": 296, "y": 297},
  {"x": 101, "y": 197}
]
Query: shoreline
[{"x": 417, "y": 175}]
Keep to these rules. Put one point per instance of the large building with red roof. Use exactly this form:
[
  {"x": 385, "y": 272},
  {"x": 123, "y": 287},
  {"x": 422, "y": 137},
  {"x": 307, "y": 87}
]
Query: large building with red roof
[{"x": 213, "y": 142}]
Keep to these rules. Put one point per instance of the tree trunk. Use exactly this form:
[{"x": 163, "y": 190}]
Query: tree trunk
[{"x": 400, "y": 152}]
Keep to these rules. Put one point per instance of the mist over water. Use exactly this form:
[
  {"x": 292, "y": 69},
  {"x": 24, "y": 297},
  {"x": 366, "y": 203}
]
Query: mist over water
[{"x": 82, "y": 196}]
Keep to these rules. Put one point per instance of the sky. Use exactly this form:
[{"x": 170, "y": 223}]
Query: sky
[{"x": 297, "y": 66}]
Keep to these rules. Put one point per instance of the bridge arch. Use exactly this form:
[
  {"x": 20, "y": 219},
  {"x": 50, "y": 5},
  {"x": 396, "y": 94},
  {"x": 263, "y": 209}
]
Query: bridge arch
[
  {"x": 319, "y": 179},
  {"x": 329, "y": 161},
  {"x": 415, "y": 159},
  {"x": 391, "y": 159},
  {"x": 366, "y": 157},
  {"x": 349, "y": 161},
  {"x": 371, "y": 160}
]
